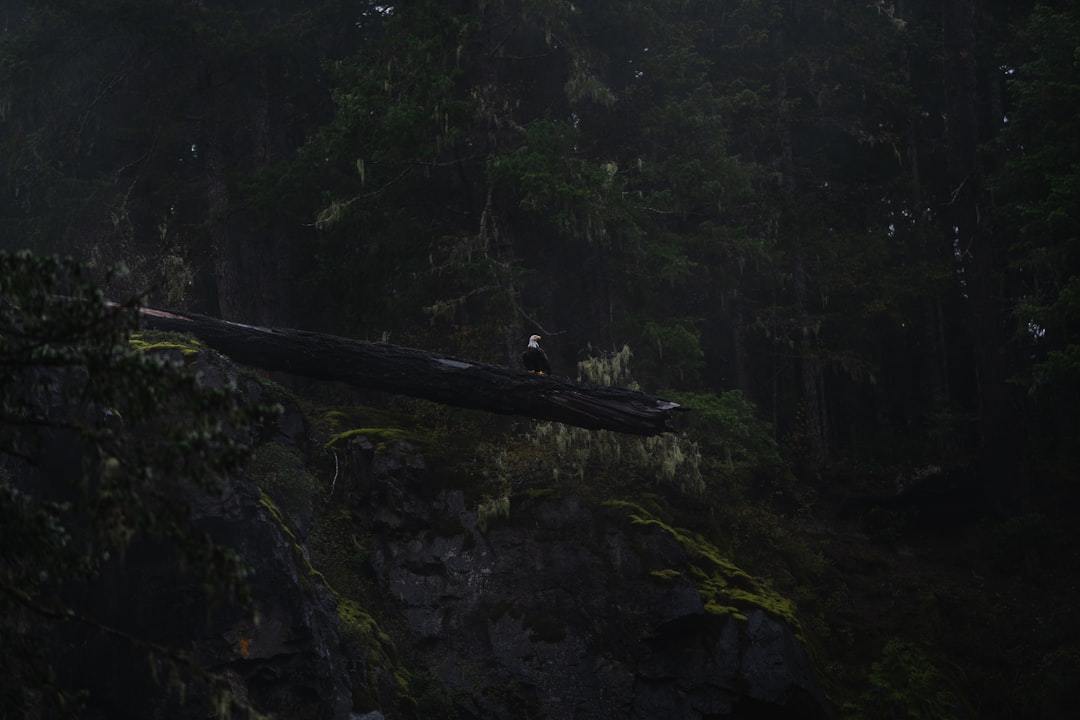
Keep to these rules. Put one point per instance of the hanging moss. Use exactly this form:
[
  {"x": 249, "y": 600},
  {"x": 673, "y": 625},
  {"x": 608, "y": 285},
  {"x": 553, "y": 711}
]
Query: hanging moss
[{"x": 492, "y": 509}]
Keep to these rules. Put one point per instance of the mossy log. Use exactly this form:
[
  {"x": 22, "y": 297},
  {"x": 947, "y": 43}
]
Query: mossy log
[{"x": 416, "y": 373}]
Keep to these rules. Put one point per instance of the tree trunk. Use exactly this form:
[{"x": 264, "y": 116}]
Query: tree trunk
[
  {"x": 217, "y": 190},
  {"x": 812, "y": 385},
  {"x": 927, "y": 254},
  {"x": 405, "y": 371},
  {"x": 972, "y": 239},
  {"x": 809, "y": 369}
]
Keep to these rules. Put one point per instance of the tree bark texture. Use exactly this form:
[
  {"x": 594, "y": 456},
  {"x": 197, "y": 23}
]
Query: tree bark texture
[
  {"x": 416, "y": 373},
  {"x": 973, "y": 238}
]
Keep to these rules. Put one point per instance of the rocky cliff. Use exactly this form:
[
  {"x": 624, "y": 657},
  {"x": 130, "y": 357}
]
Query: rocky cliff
[
  {"x": 381, "y": 590},
  {"x": 557, "y": 609}
]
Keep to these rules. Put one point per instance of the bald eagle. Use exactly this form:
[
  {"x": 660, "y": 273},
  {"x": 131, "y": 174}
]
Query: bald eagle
[{"x": 534, "y": 358}]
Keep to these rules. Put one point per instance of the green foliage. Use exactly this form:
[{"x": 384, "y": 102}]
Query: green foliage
[
  {"x": 335, "y": 553},
  {"x": 102, "y": 446},
  {"x": 1042, "y": 186},
  {"x": 280, "y": 473},
  {"x": 388, "y": 169},
  {"x": 905, "y": 683},
  {"x": 362, "y": 634},
  {"x": 577, "y": 197},
  {"x": 727, "y": 425},
  {"x": 674, "y": 352},
  {"x": 1012, "y": 543}
]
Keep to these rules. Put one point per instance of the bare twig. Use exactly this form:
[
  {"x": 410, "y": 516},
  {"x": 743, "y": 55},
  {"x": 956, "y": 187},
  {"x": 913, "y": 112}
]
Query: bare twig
[{"x": 333, "y": 483}]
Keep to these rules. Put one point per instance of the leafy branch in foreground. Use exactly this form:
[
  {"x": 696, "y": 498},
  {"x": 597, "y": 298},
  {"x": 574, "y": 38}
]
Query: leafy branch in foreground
[{"x": 101, "y": 447}]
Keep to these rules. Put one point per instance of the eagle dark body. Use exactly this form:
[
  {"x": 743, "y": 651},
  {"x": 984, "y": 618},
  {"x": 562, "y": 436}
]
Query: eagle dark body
[{"x": 534, "y": 359}]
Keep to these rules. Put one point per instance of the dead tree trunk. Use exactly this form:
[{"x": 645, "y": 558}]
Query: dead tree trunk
[{"x": 405, "y": 371}]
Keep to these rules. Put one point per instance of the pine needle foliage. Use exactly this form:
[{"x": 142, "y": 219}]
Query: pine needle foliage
[{"x": 906, "y": 683}]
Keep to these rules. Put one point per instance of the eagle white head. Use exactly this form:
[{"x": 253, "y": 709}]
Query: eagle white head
[{"x": 534, "y": 359}]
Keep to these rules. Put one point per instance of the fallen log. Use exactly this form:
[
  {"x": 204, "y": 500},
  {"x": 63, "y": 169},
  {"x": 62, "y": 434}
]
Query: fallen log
[{"x": 416, "y": 373}]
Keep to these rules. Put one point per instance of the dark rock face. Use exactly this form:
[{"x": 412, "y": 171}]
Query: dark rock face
[
  {"x": 554, "y": 614},
  {"x": 285, "y": 658},
  {"x": 288, "y": 663},
  {"x": 560, "y": 611}
]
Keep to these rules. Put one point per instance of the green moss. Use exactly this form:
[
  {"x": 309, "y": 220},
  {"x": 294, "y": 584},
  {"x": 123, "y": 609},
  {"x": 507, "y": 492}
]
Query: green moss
[
  {"x": 329, "y": 421},
  {"x": 725, "y": 588},
  {"x": 337, "y": 548},
  {"x": 666, "y": 575},
  {"x": 383, "y": 428},
  {"x": 644, "y": 505},
  {"x": 362, "y": 634},
  {"x": 714, "y": 608},
  {"x": 439, "y": 437},
  {"x": 382, "y": 438},
  {"x": 275, "y": 512},
  {"x": 364, "y": 637},
  {"x": 155, "y": 340},
  {"x": 272, "y": 392},
  {"x": 359, "y": 631},
  {"x": 279, "y": 471}
]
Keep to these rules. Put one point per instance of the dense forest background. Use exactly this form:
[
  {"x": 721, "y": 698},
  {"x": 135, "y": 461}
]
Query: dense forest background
[
  {"x": 859, "y": 220},
  {"x": 862, "y": 217}
]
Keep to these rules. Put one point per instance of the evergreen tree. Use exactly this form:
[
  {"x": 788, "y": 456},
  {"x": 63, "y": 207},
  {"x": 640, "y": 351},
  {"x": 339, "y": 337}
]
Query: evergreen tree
[
  {"x": 101, "y": 447},
  {"x": 1039, "y": 188},
  {"x": 129, "y": 126}
]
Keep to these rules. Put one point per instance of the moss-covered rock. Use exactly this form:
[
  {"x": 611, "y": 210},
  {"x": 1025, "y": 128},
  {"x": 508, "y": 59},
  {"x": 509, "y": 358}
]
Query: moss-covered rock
[
  {"x": 725, "y": 588},
  {"x": 184, "y": 345}
]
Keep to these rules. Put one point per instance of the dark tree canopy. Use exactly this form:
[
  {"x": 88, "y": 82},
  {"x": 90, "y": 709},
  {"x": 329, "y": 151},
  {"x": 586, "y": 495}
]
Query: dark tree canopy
[{"x": 859, "y": 216}]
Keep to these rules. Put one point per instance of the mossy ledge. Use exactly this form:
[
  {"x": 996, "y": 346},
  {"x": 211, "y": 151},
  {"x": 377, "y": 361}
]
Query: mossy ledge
[
  {"x": 360, "y": 632},
  {"x": 725, "y": 588},
  {"x": 382, "y": 437},
  {"x": 156, "y": 341}
]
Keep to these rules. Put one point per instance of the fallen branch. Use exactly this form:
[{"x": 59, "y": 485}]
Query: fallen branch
[{"x": 416, "y": 373}]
